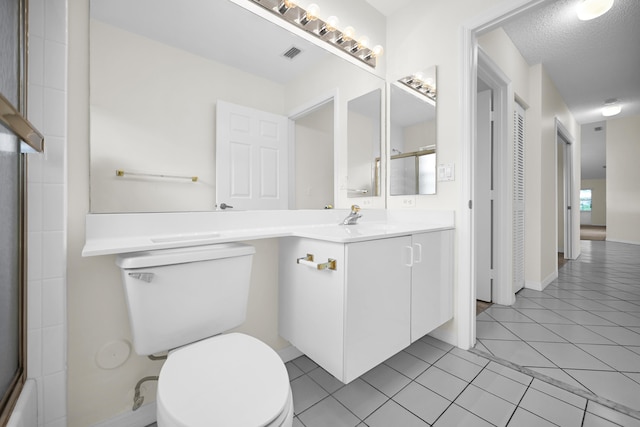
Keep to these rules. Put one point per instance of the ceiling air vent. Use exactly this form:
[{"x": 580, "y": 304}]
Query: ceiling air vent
[
  {"x": 292, "y": 52},
  {"x": 598, "y": 128}
]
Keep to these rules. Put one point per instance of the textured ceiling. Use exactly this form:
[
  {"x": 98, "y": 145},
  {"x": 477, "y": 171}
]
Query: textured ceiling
[{"x": 589, "y": 61}]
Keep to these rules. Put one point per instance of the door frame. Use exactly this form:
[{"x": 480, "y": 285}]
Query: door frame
[
  {"x": 470, "y": 30},
  {"x": 299, "y": 112},
  {"x": 563, "y": 136},
  {"x": 503, "y": 99}
]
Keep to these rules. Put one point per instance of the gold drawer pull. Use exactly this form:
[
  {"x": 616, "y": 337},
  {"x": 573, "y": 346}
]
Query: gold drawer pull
[{"x": 331, "y": 264}]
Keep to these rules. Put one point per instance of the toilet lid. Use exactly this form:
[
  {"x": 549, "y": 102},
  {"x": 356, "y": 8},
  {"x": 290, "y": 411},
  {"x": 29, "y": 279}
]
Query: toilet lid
[{"x": 228, "y": 380}]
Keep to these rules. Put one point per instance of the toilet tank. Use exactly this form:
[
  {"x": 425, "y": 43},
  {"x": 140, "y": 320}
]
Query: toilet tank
[{"x": 179, "y": 296}]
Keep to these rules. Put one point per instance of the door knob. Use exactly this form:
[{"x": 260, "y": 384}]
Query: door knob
[{"x": 224, "y": 206}]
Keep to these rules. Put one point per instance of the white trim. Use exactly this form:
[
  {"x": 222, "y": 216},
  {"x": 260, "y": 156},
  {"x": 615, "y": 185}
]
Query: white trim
[
  {"x": 570, "y": 188},
  {"x": 628, "y": 242},
  {"x": 540, "y": 286},
  {"x": 142, "y": 417},
  {"x": 466, "y": 323}
]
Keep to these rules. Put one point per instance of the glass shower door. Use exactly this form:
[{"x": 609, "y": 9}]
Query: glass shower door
[{"x": 10, "y": 260}]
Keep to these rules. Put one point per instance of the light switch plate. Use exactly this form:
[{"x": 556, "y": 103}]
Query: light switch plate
[{"x": 446, "y": 172}]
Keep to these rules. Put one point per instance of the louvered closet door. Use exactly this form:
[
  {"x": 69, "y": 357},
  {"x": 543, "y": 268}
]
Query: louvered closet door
[{"x": 518, "y": 198}]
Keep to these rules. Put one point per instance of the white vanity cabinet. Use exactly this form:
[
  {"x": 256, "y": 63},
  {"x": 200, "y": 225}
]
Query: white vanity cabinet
[{"x": 381, "y": 295}]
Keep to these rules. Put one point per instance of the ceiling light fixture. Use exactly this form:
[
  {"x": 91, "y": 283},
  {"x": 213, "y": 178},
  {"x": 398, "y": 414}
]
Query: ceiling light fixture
[
  {"x": 611, "y": 108},
  {"x": 309, "y": 21},
  {"x": 591, "y": 9}
]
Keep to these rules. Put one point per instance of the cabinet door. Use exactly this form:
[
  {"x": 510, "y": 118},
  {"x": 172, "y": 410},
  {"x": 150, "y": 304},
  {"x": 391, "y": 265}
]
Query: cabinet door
[
  {"x": 311, "y": 302},
  {"x": 377, "y": 302},
  {"x": 431, "y": 282}
]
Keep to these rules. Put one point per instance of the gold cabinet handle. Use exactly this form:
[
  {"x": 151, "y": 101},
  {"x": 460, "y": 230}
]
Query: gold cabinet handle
[{"x": 331, "y": 263}]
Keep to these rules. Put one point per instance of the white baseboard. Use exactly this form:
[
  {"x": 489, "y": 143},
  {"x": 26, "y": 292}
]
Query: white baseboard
[
  {"x": 289, "y": 353},
  {"x": 540, "y": 286},
  {"x": 142, "y": 417},
  {"x": 622, "y": 241}
]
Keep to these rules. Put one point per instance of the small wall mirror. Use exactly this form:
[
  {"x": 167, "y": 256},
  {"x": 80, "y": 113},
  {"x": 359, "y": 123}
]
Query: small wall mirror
[
  {"x": 364, "y": 136},
  {"x": 413, "y": 134}
]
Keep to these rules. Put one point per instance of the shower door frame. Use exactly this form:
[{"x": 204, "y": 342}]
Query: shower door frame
[{"x": 29, "y": 140}]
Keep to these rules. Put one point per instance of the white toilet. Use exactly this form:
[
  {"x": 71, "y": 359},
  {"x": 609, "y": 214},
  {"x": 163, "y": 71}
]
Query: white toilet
[{"x": 180, "y": 300}]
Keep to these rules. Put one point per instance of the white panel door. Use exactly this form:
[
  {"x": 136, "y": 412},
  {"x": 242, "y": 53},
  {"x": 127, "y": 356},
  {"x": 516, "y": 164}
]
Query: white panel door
[
  {"x": 251, "y": 158},
  {"x": 483, "y": 199}
]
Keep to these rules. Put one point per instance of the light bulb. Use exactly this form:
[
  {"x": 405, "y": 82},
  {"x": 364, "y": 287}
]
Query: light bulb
[
  {"x": 311, "y": 14},
  {"x": 591, "y": 9},
  {"x": 332, "y": 23},
  {"x": 364, "y": 42},
  {"x": 346, "y": 35},
  {"x": 349, "y": 33},
  {"x": 419, "y": 76},
  {"x": 313, "y": 11},
  {"x": 378, "y": 50},
  {"x": 286, "y": 5}
]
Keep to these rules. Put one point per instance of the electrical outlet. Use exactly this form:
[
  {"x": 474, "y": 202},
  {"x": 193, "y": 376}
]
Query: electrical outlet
[{"x": 408, "y": 202}]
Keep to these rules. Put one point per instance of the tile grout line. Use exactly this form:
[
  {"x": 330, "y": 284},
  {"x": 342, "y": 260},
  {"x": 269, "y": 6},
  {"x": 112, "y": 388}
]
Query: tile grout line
[{"x": 560, "y": 384}]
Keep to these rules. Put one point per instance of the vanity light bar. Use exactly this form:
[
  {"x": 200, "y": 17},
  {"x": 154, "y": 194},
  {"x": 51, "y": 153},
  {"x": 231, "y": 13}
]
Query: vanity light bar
[
  {"x": 419, "y": 86},
  {"x": 308, "y": 21}
]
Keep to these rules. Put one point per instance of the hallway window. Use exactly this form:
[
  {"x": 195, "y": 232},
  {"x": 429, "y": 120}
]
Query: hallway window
[{"x": 585, "y": 200}]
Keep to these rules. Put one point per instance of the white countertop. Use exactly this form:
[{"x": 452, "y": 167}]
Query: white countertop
[{"x": 122, "y": 233}]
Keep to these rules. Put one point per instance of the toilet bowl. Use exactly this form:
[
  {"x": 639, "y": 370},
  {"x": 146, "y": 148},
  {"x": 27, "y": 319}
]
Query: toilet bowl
[{"x": 228, "y": 380}]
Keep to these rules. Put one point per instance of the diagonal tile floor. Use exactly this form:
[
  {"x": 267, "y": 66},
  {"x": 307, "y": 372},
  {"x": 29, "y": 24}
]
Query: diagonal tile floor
[
  {"x": 583, "y": 329},
  {"x": 432, "y": 383}
]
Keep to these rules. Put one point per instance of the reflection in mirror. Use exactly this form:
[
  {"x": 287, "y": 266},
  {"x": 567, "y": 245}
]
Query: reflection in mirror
[
  {"x": 313, "y": 161},
  {"x": 155, "y": 84},
  {"x": 364, "y": 124},
  {"x": 413, "y": 135}
]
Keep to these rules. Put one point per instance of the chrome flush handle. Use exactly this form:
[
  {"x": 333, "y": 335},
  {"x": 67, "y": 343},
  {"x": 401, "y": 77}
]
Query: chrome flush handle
[{"x": 145, "y": 277}]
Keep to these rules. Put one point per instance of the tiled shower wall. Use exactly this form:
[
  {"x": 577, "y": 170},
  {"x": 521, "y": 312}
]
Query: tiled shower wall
[{"x": 47, "y": 211}]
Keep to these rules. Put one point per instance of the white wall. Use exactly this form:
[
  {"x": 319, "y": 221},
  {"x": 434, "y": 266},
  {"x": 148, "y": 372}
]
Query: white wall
[
  {"x": 623, "y": 176},
  {"x": 47, "y": 195},
  {"x": 314, "y": 158}
]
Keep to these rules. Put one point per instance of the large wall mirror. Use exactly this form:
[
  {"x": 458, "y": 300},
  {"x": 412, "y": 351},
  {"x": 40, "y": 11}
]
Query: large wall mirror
[
  {"x": 158, "y": 71},
  {"x": 413, "y": 134}
]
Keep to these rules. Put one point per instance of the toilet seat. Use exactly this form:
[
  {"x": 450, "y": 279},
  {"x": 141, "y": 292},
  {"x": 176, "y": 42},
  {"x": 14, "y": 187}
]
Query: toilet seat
[{"x": 227, "y": 380}]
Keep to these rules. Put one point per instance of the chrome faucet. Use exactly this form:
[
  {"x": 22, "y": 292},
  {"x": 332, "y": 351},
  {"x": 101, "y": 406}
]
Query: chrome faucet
[{"x": 353, "y": 216}]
